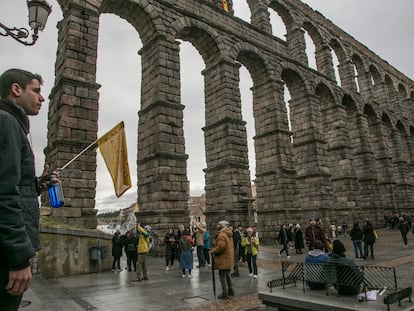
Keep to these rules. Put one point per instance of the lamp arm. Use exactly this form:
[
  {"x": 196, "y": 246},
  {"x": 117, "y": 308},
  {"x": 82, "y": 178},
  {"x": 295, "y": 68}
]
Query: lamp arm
[{"x": 19, "y": 34}]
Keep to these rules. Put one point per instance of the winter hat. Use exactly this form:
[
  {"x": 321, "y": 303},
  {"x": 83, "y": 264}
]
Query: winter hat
[
  {"x": 338, "y": 247},
  {"x": 250, "y": 229},
  {"x": 224, "y": 224}
]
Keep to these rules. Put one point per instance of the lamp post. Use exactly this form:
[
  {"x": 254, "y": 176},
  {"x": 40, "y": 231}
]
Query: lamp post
[{"x": 39, "y": 11}]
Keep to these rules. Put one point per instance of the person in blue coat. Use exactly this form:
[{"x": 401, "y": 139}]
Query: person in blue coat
[{"x": 317, "y": 255}]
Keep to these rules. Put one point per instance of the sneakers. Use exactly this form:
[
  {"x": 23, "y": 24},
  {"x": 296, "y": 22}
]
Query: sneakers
[
  {"x": 255, "y": 276},
  {"x": 183, "y": 275},
  {"x": 223, "y": 296},
  {"x": 167, "y": 268},
  {"x": 250, "y": 274},
  {"x": 190, "y": 276},
  {"x": 235, "y": 274},
  {"x": 231, "y": 292},
  {"x": 287, "y": 256}
]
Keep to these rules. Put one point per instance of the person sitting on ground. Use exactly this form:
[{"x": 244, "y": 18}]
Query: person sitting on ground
[
  {"x": 346, "y": 270},
  {"x": 317, "y": 256}
]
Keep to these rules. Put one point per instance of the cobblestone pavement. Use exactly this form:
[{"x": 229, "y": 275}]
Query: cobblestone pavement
[{"x": 166, "y": 290}]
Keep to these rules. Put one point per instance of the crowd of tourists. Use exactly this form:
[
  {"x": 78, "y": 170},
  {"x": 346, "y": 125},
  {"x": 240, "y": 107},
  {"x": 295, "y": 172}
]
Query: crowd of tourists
[{"x": 230, "y": 247}]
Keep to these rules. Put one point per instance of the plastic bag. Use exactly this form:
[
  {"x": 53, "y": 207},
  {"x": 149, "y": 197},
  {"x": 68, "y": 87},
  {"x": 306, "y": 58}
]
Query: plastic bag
[{"x": 371, "y": 295}]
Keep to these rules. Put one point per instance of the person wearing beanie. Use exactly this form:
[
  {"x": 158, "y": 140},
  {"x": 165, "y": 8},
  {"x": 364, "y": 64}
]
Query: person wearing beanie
[
  {"x": 223, "y": 257},
  {"x": 346, "y": 269}
]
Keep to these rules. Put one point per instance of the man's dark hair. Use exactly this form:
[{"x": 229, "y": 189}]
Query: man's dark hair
[
  {"x": 19, "y": 76},
  {"x": 318, "y": 245}
]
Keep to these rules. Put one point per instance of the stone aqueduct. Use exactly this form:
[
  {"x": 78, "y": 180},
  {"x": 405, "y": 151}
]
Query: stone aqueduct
[{"x": 348, "y": 154}]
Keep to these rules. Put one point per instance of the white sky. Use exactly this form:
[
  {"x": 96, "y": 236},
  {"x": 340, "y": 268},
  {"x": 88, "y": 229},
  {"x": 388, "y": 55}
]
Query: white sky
[{"x": 384, "y": 28}]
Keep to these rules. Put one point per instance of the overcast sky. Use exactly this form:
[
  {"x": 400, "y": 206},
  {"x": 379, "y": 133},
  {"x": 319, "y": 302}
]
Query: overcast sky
[{"x": 385, "y": 27}]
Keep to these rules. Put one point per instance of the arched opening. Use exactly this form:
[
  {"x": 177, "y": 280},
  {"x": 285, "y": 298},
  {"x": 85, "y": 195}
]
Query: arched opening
[
  {"x": 278, "y": 26},
  {"x": 310, "y": 50},
  {"x": 192, "y": 97},
  {"x": 247, "y": 112},
  {"x": 119, "y": 98}
]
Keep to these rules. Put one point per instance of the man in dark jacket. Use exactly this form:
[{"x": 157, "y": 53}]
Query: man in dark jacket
[
  {"x": 313, "y": 233},
  {"x": 349, "y": 276},
  {"x": 19, "y": 187}
]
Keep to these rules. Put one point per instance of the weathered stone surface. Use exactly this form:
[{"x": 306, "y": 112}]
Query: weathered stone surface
[{"x": 345, "y": 152}]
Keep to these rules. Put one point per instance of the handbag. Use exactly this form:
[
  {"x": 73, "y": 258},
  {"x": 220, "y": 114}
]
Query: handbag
[{"x": 375, "y": 234}]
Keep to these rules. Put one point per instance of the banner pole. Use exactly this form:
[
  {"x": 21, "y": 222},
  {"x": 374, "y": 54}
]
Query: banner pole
[{"x": 77, "y": 156}]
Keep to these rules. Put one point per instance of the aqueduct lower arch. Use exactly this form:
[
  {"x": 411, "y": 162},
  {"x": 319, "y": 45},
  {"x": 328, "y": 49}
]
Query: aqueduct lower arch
[{"x": 349, "y": 153}]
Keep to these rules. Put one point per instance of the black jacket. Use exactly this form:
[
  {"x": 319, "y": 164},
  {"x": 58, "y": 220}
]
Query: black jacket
[{"x": 19, "y": 206}]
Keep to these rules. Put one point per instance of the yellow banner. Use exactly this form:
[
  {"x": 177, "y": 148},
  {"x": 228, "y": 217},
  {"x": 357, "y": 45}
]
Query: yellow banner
[
  {"x": 113, "y": 148},
  {"x": 224, "y": 5}
]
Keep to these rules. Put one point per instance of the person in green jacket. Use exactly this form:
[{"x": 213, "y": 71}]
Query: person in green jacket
[{"x": 251, "y": 249}]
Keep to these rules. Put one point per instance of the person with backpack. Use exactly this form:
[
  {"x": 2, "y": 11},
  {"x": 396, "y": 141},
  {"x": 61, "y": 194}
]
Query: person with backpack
[
  {"x": 186, "y": 255},
  {"x": 144, "y": 237},
  {"x": 130, "y": 246}
]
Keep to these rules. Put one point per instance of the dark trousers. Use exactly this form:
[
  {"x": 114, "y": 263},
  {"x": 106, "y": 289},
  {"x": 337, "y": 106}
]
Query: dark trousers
[
  {"x": 116, "y": 262},
  {"x": 225, "y": 280},
  {"x": 369, "y": 247},
  {"x": 132, "y": 260},
  {"x": 285, "y": 248},
  {"x": 200, "y": 255},
  {"x": 7, "y": 302},
  {"x": 206, "y": 255},
  {"x": 251, "y": 263},
  {"x": 404, "y": 237}
]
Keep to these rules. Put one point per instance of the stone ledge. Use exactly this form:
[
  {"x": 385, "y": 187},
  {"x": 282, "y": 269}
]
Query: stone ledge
[{"x": 294, "y": 299}]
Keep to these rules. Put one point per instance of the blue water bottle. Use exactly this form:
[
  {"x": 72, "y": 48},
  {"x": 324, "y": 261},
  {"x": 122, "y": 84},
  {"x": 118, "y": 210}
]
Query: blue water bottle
[{"x": 55, "y": 194}]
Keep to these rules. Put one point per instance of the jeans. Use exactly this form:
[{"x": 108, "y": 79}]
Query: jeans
[
  {"x": 200, "y": 255},
  {"x": 368, "y": 247},
  {"x": 358, "y": 247}
]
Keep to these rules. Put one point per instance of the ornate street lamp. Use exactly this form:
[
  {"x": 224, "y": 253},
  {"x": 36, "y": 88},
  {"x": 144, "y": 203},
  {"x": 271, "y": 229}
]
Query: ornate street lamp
[{"x": 39, "y": 11}]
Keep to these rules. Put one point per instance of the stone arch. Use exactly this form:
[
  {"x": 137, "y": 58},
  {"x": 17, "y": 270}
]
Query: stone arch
[
  {"x": 393, "y": 102},
  {"x": 361, "y": 79},
  {"x": 142, "y": 16},
  {"x": 345, "y": 70},
  {"x": 320, "y": 49},
  {"x": 377, "y": 85},
  {"x": 402, "y": 91},
  {"x": 294, "y": 36},
  {"x": 251, "y": 57},
  {"x": 375, "y": 75},
  {"x": 203, "y": 37}
]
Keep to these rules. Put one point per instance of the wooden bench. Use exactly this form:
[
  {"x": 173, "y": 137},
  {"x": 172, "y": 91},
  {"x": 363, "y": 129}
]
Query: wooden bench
[
  {"x": 370, "y": 277},
  {"x": 398, "y": 296}
]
